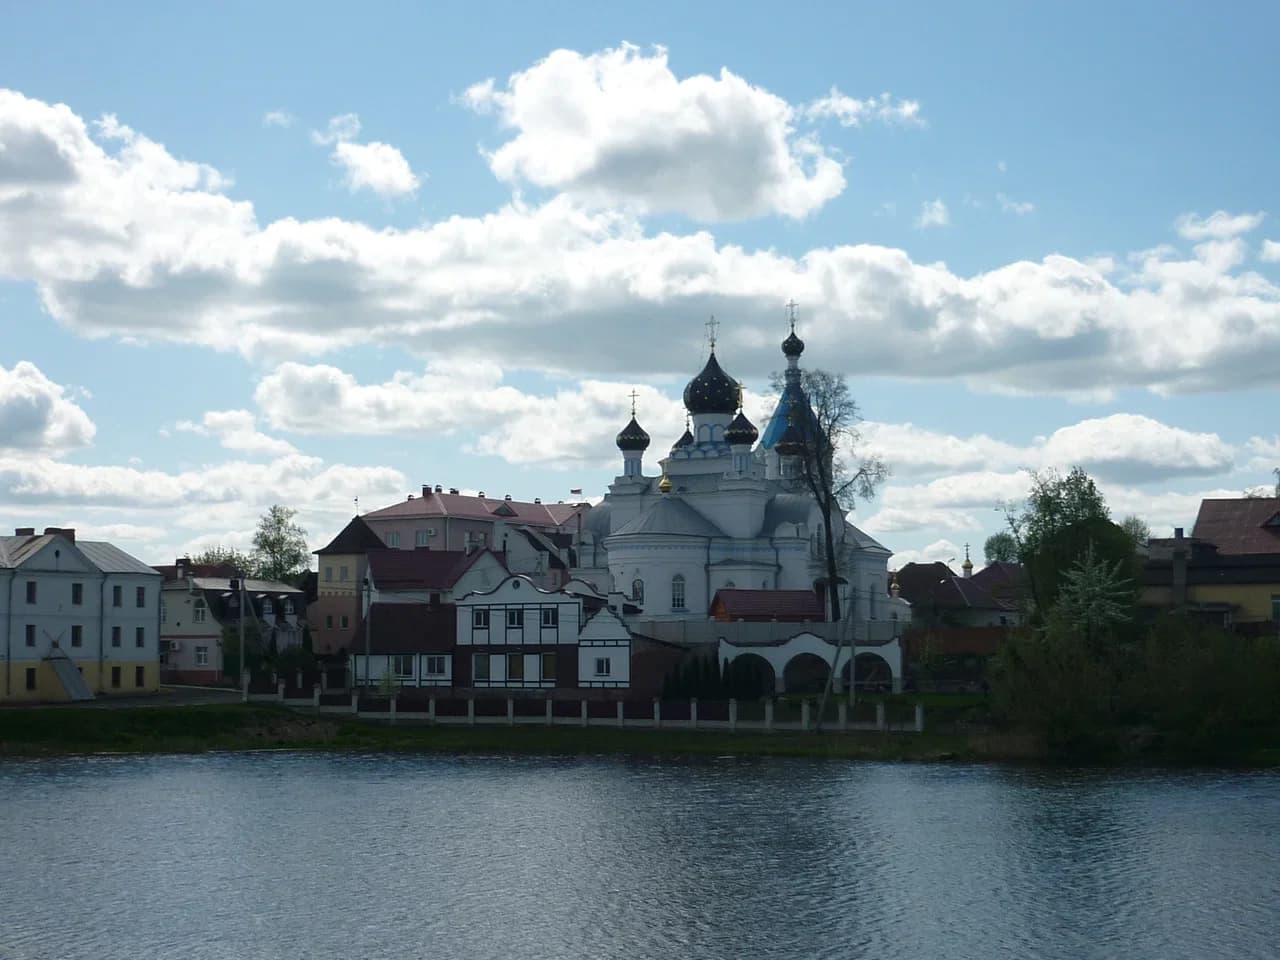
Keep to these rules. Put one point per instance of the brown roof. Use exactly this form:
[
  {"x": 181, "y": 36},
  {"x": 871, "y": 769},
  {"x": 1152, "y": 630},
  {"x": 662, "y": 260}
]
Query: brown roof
[
  {"x": 354, "y": 538},
  {"x": 1243, "y": 525},
  {"x": 793, "y": 606},
  {"x": 408, "y": 628},
  {"x": 421, "y": 569},
  {"x": 224, "y": 570},
  {"x": 937, "y": 585},
  {"x": 434, "y": 504}
]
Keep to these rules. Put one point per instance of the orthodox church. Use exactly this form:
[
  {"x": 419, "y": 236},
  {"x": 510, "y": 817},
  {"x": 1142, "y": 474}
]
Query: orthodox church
[{"x": 725, "y": 512}]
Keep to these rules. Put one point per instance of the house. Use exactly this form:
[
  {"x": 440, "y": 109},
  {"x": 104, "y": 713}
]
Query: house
[
  {"x": 430, "y": 576},
  {"x": 412, "y": 642},
  {"x": 335, "y": 615},
  {"x": 78, "y": 618},
  {"x": 517, "y": 635},
  {"x": 198, "y": 603}
]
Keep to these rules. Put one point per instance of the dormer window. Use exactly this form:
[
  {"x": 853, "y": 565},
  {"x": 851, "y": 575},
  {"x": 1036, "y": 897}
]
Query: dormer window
[{"x": 504, "y": 510}]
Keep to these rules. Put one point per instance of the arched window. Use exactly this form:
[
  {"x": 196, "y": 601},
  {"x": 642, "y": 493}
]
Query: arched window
[
  {"x": 637, "y": 590},
  {"x": 677, "y": 592}
]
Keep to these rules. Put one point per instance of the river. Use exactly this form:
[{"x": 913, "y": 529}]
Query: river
[{"x": 360, "y": 857}]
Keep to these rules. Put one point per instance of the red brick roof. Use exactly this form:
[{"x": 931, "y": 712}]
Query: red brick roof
[
  {"x": 408, "y": 628},
  {"x": 482, "y": 508},
  {"x": 421, "y": 569},
  {"x": 1238, "y": 526},
  {"x": 792, "y": 606}
]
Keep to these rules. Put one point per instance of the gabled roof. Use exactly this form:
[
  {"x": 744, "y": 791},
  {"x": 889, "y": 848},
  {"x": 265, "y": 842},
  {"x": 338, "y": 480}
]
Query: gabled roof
[
  {"x": 109, "y": 558},
  {"x": 936, "y": 584},
  {"x": 480, "y": 508},
  {"x": 767, "y": 605},
  {"x": 1242, "y": 525},
  {"x": 14, "y": 550},
  {"x": 354, "y": 538},
  {"x": 408, "y": 628},
  {"x": 672, "y": 517},
  {"x": 170, "y": 570},
  {"x": 422, "y": 569}
]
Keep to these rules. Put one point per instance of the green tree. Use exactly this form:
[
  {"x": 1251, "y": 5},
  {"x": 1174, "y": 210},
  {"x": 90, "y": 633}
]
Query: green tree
[
  {"x": 1000, "y": 548},
  {"x": 1137, "y": 529},
  {"x": 1094, "y": 596},
  {"x": 230, "y": 556},
  {"x": 280, "y": 545}
]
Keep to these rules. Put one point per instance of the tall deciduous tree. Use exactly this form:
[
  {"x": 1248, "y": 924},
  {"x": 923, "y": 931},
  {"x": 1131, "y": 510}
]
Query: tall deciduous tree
[
  {"x": 1137, "y": 529},
  {"x": 279, "y": 545},
  {"x": 832, "y": 468},
  {"x": 1000, "y": 548},
  {"x": 241, "y": 561}
]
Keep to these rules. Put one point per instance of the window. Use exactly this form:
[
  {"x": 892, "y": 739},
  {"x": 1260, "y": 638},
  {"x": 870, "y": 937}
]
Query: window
[
  {"x": 31, "y": 634},
  {"x": 140, "y": 597},
  {"x": 77, "y": 635},
  {"x": 420, "y": 538},
  {"x": 402, "y": 664},
  {"x": 393, "y": 538},
  {"x": 115, "y": 636},
  {"x": 117, "y": 596},
  {"x": 139, "y": 676},
  {"x": 328, "y": 621},
  {"x": 515, "y": 619},
  {"x": 548, "y": 666},
  {"x": 1275, "y": 608},
  {"x": 602, "y": 666},
  {"x": 637, "y": 590},
  {"x": 346, "y": 621},
  {"x": 515, "y": 666},
  {"x": 31, "y": 678},
  {"x": 288, "y": 606},
  {"x": 343, "y": 573},
  {"x": 77, "y": 594},
  {"x": 139, "y": 636},
  {"x": 481, "y": 669},
  {"x": 480, "y": 618},
  {"x": 328, "y": 574},
  {"x": 198, "y": 611},
  {"x": 551, "y": 616},
  {"x": 677, "y": 592},
  {"x": 163, "y": 611},
  {"x": 267, "y": 608},
  {"x": 436, "y": 667},
  {"x": 31, "y": 591},
  {"x": 115, "y": 678},
  {"x": 202, "y": 656}
]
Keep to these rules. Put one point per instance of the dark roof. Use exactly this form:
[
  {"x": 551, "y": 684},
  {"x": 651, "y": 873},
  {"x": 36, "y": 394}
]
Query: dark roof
[
  {"x": 408, "y": 628},
  {"x": 1208, "y": 567},
  {"x": 432, "y": 504},
  {"x": 223, "y": 570},
  {"x": 633, "y": 437},
  {"x": 712, "y": 390},
  {"x": 1243, "y": 525},
  {"x": 1002, "y": 579},
  {"x": 355, "y": 538},
  {"x": 420, "y": 569},
  {"x": 741, "y": 430},
  {"x": 793, "y": 346},
  {"x": 937, "y": 585},
  {"x": 767, "y": 605}
]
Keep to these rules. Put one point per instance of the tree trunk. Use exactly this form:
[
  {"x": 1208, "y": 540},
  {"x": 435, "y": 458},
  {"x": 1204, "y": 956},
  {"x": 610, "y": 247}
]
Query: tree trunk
[{"x": 833, "y": 592}]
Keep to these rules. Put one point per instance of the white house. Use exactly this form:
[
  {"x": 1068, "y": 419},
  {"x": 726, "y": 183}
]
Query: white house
[{"x": 517, "y": 635}]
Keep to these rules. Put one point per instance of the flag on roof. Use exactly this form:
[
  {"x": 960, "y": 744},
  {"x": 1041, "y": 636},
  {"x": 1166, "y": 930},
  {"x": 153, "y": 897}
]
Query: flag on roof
[{"x": 577, "y": 490}]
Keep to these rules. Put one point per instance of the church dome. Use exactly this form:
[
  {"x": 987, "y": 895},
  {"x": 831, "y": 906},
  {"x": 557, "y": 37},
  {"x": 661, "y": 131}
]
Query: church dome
[
  {"x": 633, "y": 437},
  {"x": 791, "y": 443},
  {"x": 793, "y": 346},
  {"x": 711, "y": 391},
  {"x": 741, "y": 431},
  {"x": 686, "y": 440}
]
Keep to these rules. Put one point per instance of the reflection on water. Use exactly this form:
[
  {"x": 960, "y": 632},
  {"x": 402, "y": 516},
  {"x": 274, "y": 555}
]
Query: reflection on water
[{"x": 299, "y": 855}]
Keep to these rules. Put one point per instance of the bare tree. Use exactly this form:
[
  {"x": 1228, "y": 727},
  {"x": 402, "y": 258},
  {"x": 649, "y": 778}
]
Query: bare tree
[{"x": 824, "y": 443}]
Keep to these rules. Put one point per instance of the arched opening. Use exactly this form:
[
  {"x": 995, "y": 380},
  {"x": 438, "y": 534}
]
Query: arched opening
[
  {"x": 637, "y": 590},
  {"x": 749, "y": 676},
  {"x": 872, "y": 672},
  {"x": 677, "y": 592},
  {"x": 805, "y": 673}
]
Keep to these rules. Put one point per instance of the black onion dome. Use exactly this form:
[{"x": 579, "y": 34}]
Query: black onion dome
[
  {"x": 711, "y": 391},
  {"x": 633, "y": 437},
  {"x": 793, "y": 346},
  {"x": 791, "y": 443},
  {"x": 741, "y": 431},
  {"x": 686, "y": 440}
]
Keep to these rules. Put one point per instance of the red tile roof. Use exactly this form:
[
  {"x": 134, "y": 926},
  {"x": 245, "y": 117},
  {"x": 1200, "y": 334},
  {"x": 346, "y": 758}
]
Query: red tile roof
[
  {"x": 793, "y": 606},
  {"x": 483, "y": 508},
  {"x": 408, "y": 628},
  {"x": 421, "y": 569},
  {"x": 1239, "y": 526}
]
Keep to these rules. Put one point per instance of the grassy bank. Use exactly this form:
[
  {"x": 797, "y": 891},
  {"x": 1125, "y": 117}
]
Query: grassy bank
[{"x": 60, "y": 731}]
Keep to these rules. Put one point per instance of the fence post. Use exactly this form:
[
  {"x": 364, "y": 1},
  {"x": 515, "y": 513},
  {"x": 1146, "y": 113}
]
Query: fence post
[
  {"x": 324, "y": 680},
  {"x": 584, "y": 713},
  {"x": 693, "y": 713},
  {"x": 657, "y": 714},
  {"x": 880, "y": 715},
  {"x": 280, "y": 690},
  {"x": 804, "y": 714},
  {"x": 919, "y": 718},
  {"x": 391, "y": 711},
  {"x": 471, "y": 710},
  {"x": 768, "y": 714},
  {"x": 299, "y": 683},
  {"x": 621, "y": 720},
  {"x": 355, "y": 701},
  {"x": 431, "y": 709},
  {"x": 315, "y": 695},
  {"x": 244, "y": 693},
  {"x": 733, "y": 715},
  {"x": 842, "y": 713},
  {"x": 548, "y": 711}
]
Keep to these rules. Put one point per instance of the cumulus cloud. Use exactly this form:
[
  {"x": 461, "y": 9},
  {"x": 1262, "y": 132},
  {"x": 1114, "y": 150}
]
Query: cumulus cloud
[
  {"x": 375, "y": 166},
  {"x": 1220, "y": 225},
  {"x": 1128, "y": 448},
  {"x": 851, "y": 112},
  {"x": 1018, "y": 208},
  {"x": 129, "y": 242},
  {"x": 237, "y": 430},
  {"x": 940, "y": 551},
  {"x": 933, "y": 213},
  {"x": 619, "y": 128},
  {"x": 278, "y": 118},
  {"x": 36, "y": 416},
  {"x": 1270, "y": 251}
]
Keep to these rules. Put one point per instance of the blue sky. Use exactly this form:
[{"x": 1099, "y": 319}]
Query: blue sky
[{"x": 1031, "y": 236}]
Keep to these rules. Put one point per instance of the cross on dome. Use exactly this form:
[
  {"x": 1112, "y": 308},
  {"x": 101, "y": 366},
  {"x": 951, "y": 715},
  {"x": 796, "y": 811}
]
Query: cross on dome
[
  {"x": 712, "y": 324},
  {"x": 633, "y": 396}
]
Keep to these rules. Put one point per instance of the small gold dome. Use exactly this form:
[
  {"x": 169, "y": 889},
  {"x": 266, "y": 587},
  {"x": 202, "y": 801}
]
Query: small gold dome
[{"x": 664, "y": 485}]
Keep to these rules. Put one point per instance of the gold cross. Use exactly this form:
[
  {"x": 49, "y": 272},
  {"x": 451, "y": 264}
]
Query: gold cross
[{"x": 791, "y": 313}]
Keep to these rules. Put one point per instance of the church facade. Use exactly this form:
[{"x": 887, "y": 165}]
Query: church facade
[{"x": 726, "y": 512}]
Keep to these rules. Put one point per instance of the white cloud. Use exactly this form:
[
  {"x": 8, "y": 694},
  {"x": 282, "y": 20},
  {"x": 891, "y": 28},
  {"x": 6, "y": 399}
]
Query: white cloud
[
  {"x": 618, "y": 128},
  {"x": 1217, "y": 226},
  {"x": 237, "y": 430},
  {"x": 940, "y": 551},
  {"x": 1133, "y": 449},
  {"x": 1270, "y": 251},
  {"x": 278, "y": 118},
  {"x": 851, "y": 112},
  {"x": 375, "y": 166},
  {"x": 36, "y": 417},
  {"x": 933, "y": 213},
  {"x": 340, "y": 129},
  {"x": 1017, "y": 207}
]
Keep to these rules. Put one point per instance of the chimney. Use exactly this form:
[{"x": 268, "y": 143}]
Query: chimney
[
  {"x": 507, "y": 497},
  {"x": 426, "y": 491},
  {"x": 411, "y": 496},
  {"x": 481, "y": 494},
  {"x": 25, "y": 532},
  {"x": 537, "y": 499},
  {"x": 453, "y": 490},
  {"x": 1179, "y": 569},
  {"x": 180, "y": 567}
]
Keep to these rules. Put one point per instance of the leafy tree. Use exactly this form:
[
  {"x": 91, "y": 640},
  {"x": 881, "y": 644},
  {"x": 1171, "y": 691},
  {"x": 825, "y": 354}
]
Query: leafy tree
[
  {"x": 230, "y": 556},
  {"x": 831, "y": 468},
  {"x": 1137, "y": 529},
  {"x": 280, "y": 545},
  {"x": 1000, "y": 548},
  {"x": 1094, "y": 596}
]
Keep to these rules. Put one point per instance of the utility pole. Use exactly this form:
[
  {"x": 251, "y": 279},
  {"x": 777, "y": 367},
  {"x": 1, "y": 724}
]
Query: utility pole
[
  {"x": 244, "y": 660},
  {"x": 368, "y": 625}
]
